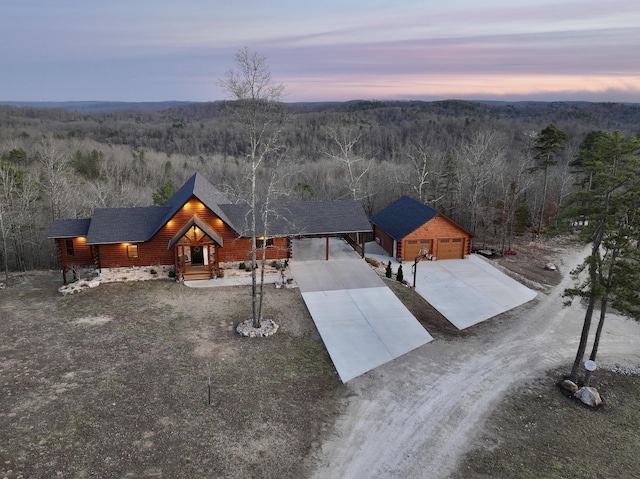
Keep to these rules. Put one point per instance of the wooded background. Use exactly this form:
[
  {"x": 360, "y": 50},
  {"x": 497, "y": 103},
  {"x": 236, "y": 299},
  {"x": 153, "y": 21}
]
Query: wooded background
[{"x": 474, "y": 162}]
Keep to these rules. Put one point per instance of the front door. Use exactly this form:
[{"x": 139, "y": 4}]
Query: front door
[{"x": 197, "y": 255}]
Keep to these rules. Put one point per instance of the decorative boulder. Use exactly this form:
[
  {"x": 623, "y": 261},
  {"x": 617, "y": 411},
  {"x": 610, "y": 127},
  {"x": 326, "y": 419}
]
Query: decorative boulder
[
  {"x": 589, "y": 396},
  {"x": 550, "y": 267},
  {"x": 569, "y": 385}
]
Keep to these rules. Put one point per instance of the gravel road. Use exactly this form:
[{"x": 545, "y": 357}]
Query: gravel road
[{"x": 416, "y": 416}]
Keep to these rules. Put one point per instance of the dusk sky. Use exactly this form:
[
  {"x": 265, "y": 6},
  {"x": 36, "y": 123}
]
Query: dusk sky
[{"x": 155, "y": 50}]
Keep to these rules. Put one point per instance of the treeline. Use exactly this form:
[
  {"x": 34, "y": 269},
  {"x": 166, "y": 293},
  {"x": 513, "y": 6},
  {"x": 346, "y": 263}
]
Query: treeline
[{"x": 475, "y": 162}]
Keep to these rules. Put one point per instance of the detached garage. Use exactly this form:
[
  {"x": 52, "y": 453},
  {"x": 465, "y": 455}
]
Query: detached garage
[{"x": 407, "y": 228}]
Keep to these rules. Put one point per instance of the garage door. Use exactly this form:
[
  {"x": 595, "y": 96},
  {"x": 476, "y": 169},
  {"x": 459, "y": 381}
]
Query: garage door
[
  {"x": 450, "y": 248},
  {"x": 416, "y": 247}
]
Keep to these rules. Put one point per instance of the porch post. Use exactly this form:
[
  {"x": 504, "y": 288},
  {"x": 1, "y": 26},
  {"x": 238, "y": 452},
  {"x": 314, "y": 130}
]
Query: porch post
[
  {"x": 175, "y": 261},
  {"x": 362, "y": 243},
  {"x": 327, "y": 249}
]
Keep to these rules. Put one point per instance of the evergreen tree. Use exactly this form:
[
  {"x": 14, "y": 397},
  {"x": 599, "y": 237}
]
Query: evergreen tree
[
  {"x": 400, "y": 275},
  {"x": 606, "y": 209},
  {"x": 548, "y": 144}
]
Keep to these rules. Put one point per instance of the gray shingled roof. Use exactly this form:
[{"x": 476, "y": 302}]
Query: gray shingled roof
[
  {"x": 304, "y": 218},
  {"x": 403, "y": 216},
  {"x": 133, "y": 225},
  {"x": 324, "y": 217},
  {"x": 69, "y": 228},
  {"x": 125, "y": 225}
]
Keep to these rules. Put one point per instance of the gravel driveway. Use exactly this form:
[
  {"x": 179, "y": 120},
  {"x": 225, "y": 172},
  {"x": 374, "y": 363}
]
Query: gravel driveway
[{"x": 416, "y": 416}]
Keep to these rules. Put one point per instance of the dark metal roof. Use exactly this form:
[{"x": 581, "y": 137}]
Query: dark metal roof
[
  {"x": 403, "y": 216},
  {"x": 125, "y": 225},
  {"x": 69, "y": 228}
]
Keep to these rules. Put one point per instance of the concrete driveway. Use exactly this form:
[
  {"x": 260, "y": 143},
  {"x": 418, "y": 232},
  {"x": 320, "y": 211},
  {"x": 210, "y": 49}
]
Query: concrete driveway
[
  {"x": 362, "y": 323},
  {"x": 468, "y": 291}
]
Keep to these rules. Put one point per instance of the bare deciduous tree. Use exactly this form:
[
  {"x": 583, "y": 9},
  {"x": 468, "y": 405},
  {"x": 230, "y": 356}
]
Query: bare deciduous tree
[
  {"x": 257, "y": 105},
  {"x": 342, "y": 142},
  {"x": 480, "y": 155}
]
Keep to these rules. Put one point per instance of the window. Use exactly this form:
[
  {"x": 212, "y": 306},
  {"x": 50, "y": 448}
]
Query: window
[
  {"x": 132, "y": 251},
  {"x": 267, "y": 242},
  {"x": 69, "y": 246}
]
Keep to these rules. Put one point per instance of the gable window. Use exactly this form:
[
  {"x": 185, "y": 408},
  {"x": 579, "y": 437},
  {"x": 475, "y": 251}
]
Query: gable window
[
  {"x": 132, "y": 251},
  {"x": 69, "y": 247}
]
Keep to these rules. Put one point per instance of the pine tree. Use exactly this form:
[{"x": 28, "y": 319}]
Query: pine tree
[{"x": 606, "y": 208}]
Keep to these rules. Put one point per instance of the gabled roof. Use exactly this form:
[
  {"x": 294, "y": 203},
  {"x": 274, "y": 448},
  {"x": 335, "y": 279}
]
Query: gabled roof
[
  {"x": 208, "y": 194},
  {"x": 70, "y": 228},
  {"x": 195, "y": 221},
  {"x": 125, "y": 225},
  {"x": 403, "y": 216},
  {"x": 135, "y": 225}
]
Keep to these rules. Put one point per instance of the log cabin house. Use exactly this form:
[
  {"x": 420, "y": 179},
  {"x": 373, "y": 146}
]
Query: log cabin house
[
  {"x": 196, "y": 231},
  {"x": 407, "y": 229}
]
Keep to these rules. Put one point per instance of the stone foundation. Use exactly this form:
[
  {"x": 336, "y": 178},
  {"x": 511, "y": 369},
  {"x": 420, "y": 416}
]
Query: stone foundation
[{"x": 135, "y": 273}]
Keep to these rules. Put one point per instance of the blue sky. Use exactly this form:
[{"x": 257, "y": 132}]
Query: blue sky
[{"x": 154, "y": 50}]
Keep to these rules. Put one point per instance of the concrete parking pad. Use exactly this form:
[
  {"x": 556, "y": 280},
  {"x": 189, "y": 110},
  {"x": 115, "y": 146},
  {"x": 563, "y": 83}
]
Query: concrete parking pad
[
  {"x": 362, "y": 323},
  {"x": 468, "y": 291}
]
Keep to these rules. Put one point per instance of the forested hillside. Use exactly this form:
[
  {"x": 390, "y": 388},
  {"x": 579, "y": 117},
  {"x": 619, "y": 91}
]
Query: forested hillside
[{"x": 478, "y": 163}]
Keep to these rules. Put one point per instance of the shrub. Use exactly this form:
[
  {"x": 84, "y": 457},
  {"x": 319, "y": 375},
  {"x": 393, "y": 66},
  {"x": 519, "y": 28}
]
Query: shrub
[
  {"x": 153, "y": 271},
  {"x": 400, "y": 274},
  {"x": 242, "y": 266},
  {"x": 388, "y": 272},
  {"x": 171, "y": 274}
]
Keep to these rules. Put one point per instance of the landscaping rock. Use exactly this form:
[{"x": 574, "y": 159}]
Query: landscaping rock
[
  {"x": 550, "y": 267},
  {"x": 569, "y": 385},
  {"x": 246, "y": 329},
  {"x": 589, "y": 396}
]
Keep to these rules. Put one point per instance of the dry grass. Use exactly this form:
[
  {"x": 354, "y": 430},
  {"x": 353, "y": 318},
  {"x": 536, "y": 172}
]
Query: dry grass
[
  {"x": 113, "y": 382},
  {"x": 537, "y": 432}
]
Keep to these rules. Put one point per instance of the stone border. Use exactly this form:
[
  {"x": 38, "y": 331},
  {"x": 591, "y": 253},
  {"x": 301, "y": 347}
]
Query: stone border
[{"x": 246, "y": 329}]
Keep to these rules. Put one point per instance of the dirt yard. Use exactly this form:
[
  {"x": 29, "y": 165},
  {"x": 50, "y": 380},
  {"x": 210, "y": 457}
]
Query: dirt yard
[{"x": 113, "y": 382}]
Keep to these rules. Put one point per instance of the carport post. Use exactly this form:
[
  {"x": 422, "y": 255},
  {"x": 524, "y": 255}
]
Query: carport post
[{"x": 326, "y": 254}]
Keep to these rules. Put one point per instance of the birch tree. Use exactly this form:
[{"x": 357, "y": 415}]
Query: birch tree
[{"x": 257, "y": 105}]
